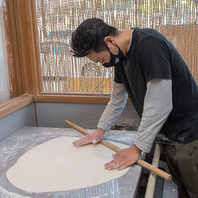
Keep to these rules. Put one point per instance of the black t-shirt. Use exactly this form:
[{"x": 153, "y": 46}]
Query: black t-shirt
[{"x": 150, "y": 56}]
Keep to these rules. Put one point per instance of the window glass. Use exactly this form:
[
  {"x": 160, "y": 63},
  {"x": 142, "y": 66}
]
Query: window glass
[
  {"x": 57, "y": 19},
  {"x": 10, "y": 81}
]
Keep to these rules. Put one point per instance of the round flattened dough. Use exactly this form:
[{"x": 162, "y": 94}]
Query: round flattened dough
[{"x": 58, "y": 165}]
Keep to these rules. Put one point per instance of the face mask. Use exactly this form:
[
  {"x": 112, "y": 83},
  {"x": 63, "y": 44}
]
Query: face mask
[{"x": 115, "y": 59}]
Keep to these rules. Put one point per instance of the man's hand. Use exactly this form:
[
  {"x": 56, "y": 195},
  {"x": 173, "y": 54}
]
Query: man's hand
[
  {"x": 94, "y": 137},
  {"x": 124, "y": 158}
]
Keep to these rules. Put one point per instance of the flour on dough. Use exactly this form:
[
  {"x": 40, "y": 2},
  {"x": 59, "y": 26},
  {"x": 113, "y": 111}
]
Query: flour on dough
[{"x": 58, "y": 165}]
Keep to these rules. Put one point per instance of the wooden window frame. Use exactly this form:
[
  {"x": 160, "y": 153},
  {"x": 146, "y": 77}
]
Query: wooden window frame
[
  {"x": 51, "y": 97},
  {"x": 15, "y": 104},
  {"x": 15, "y": 39},
  {"x": 31, "y": 56}
]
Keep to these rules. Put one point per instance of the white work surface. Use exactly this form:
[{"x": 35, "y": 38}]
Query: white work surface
[{"x": 27, "y": 138}]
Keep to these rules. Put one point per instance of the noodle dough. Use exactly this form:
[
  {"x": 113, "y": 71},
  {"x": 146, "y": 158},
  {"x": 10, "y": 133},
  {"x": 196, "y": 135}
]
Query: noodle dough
[{"x": 58, "y": 165}]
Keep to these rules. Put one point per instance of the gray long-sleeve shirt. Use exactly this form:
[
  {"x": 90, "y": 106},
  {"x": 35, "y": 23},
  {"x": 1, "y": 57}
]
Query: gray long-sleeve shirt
[{"x": 157, "y": 107}]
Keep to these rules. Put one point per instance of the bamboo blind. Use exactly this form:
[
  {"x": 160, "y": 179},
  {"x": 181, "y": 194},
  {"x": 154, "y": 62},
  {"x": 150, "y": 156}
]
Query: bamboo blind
[{"x": 56, "y": 19}]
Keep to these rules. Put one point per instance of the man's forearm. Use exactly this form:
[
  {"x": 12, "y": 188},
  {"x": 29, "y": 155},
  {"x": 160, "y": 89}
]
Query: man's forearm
[
  {"x": 157, "y": 107},
  {"x": 114, "y": 108}
]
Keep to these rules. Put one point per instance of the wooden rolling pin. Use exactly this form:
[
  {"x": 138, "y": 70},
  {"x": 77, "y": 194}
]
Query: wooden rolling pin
[{"x": 116, "y": 149}]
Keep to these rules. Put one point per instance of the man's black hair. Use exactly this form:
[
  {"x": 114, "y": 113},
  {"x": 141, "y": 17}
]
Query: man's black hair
[{"x": 90, "y": 35}]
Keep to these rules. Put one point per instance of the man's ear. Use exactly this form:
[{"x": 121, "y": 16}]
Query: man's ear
[{"x": 109, "y": 40}]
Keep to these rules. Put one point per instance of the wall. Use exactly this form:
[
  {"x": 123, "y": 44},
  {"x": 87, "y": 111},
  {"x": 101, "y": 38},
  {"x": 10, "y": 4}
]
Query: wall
[
  {"x": 18, "y": 119},
  {"x": 85, "y": 115},
  {"x": 54, "y": 115}
]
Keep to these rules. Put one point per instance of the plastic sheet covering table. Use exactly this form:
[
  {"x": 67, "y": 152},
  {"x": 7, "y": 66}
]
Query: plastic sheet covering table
[{"x": 27, "y": 138}]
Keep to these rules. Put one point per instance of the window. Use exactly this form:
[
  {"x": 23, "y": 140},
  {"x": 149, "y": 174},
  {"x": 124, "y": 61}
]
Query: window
[
  {"x": 11, "y": 71},
  {"x": 60, "y": 71},
  {"x": 56, "y": 20},
  {"x": 35, "y": 43}
]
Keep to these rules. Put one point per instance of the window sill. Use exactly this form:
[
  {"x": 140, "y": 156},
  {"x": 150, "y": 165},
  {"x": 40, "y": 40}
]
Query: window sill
[
  {"x": 15, "y": 104},
  {"x": 75, "y": 98}
]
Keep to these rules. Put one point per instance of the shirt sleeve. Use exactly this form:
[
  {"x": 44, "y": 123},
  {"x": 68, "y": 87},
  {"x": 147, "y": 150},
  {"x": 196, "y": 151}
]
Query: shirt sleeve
[
  {"x": 114, "y": 108},
  {"x": 157, "y": 107},
  {"x": 154, "y": 58}
]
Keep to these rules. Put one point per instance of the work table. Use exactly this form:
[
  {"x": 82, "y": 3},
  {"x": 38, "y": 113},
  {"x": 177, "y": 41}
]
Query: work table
[{"x": 27, "y": 138}]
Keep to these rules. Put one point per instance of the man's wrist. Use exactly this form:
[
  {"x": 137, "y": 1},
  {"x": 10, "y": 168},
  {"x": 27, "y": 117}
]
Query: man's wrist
[
  {"x": 101, "y": 130},
  {"x": 138, "y": 150}
]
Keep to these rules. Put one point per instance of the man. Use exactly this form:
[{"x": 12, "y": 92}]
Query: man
[{"x": 149, "y": 70}]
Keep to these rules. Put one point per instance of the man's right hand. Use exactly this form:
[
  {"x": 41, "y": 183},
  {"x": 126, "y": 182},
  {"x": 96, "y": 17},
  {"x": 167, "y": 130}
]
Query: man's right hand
[{"x": 94, "y": 138}]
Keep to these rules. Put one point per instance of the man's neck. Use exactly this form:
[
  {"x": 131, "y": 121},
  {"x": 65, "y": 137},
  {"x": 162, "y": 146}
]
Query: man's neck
[{"x": 123, "y": 40}]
